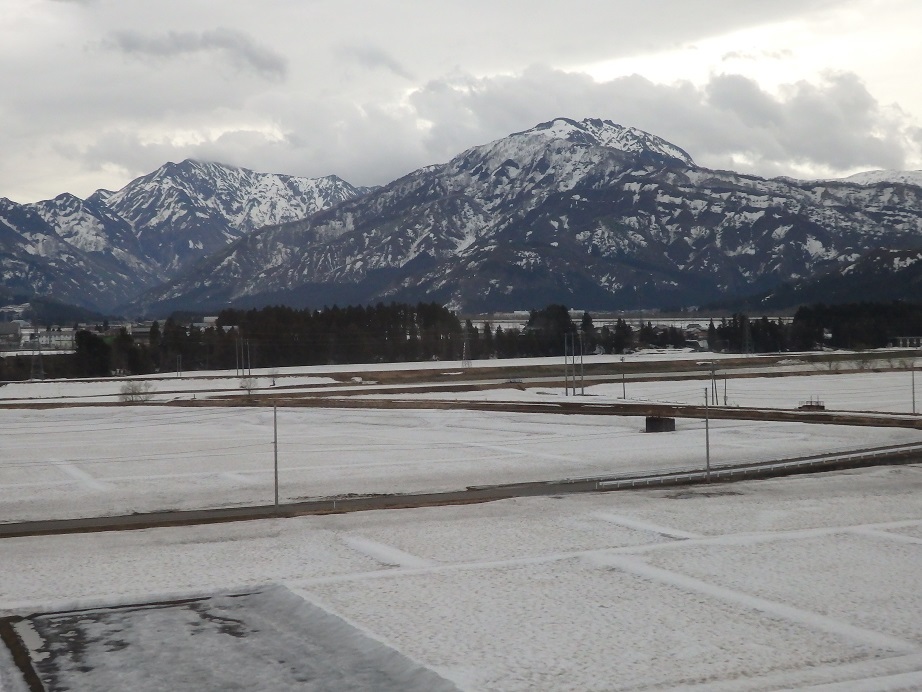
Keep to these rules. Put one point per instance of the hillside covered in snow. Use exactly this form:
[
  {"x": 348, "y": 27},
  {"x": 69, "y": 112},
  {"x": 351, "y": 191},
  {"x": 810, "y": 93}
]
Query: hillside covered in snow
[{"x": 588, "y": 213}]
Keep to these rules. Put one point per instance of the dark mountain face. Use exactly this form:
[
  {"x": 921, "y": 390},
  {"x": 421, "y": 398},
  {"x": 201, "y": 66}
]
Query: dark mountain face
[
  {"x": 104, "y": 250},
  {"x": 881, "y": 276},
  {"x": 585, "y": 213}
]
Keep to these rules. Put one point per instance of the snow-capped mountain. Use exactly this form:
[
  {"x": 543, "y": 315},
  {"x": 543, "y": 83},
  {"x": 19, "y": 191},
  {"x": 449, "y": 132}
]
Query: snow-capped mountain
[
  {"x": 588, "y": 213},
  {"x": 884, "y": 176},
  {"x": 126, "y": 241},
  {"x": 90, "y": 226},
  {"x": 36, "y": 259},
  {"x": 184, "y": 211}
]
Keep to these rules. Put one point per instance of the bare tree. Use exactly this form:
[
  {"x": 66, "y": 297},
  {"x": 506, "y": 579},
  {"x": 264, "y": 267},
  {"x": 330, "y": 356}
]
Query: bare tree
[
  {"x": 136, "y": 391},
  {"x": 864, "y": 360},
  {"x": 249, "y": 384}
]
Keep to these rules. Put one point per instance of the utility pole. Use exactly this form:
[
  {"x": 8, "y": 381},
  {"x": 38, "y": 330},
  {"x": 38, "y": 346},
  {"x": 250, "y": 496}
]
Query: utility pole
[
  {"x": 713, "y": 384},
  {"x": 569, "y": 362},
  {"x": 582, "y": 379},
  {"x": 913, "y": 371},
  {"x": 275, "y": 449},
  {"x": 566, "y": 365},
  {"x": 707, "y": 438},
  {"x": 38, "y": 367},
  {"x": 725, "y": 390},
  {"x": 466, "y": 353}
]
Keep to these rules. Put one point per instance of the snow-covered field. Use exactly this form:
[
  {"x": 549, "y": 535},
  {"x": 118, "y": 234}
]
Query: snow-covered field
[
  {"x": 69, "y": 462},
  {"x": 89, "y": 460},
  {"x": 173, "y": 386},
  {"x": 786, "y": 583},
  {"x": 159, "y": 389},
  {"x": 890, "y": 392}
]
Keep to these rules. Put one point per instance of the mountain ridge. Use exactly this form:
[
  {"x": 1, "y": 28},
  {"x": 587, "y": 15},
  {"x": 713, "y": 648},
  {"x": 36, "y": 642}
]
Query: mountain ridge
[
  {"x": 583, "y": 212},
  {"x": 580, "y": 212},
  {"x": 151, "y": 229}
]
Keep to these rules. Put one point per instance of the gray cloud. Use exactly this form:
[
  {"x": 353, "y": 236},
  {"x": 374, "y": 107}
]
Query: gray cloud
[
  {"x": 834, "y": 124},
  {"x": 294, "y": 87},
  {"x": 240, "y": 49},
  {"x": 374, "y": 58}
]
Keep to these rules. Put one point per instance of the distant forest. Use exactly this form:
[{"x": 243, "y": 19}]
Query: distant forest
[{"x": 281, "y": 337}]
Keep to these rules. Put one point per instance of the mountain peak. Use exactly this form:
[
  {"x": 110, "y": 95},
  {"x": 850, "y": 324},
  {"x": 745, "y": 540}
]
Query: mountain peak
[
  {"x": 188, "y": 167},
  {"x": 885, "y": 176},
  {"x": 605, "y": 133}
]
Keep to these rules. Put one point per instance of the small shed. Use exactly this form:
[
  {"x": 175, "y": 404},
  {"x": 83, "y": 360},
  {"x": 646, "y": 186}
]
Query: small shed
[{"x": 657, "y": 424}]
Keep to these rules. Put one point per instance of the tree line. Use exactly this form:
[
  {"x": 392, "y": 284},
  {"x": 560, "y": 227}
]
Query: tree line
[
  {"x": 283, "y": 337},
  {"x": 856, "y": 326}
]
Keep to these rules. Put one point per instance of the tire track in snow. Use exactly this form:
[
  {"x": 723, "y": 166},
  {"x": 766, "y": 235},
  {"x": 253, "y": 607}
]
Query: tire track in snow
[
  {"x": 82, "y": 476},
  {"x": 885, "y": 535},
  {"x": 386, "y": 554},
  {"x": 640, "y": 525},
  {"x": 811, "y": 620},
  {"x": 897, "y": 673}
]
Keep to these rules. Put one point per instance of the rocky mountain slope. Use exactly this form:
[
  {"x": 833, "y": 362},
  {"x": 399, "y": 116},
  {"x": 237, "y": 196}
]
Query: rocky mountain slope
[
  {"x": 36, "y": 259},
  {"x": 184, "y": 211},
  {"x": 881, "y": 275},
  {"x": 102, "y": 251},
  {"x": 589, "y": 213}
]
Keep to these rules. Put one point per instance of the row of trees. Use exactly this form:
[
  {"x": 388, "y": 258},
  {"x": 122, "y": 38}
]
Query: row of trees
[
  {"x": 282, "y": 336},
  {"x": 857, "y": 325},
  {"x": 94, "y": 356},
  {"x": 851, "y": 326}
]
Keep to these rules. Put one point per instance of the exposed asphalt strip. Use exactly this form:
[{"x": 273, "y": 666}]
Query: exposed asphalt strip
[{"x": 896, "y": 454}]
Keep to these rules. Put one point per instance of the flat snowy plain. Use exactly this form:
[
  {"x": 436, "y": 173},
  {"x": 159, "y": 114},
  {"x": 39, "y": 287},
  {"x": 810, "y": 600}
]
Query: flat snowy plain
[{"x": 786, "y": 583}]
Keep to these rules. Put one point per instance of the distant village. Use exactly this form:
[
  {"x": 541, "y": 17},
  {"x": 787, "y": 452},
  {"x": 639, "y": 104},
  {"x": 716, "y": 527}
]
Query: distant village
[{"x": 18, "y": 334}]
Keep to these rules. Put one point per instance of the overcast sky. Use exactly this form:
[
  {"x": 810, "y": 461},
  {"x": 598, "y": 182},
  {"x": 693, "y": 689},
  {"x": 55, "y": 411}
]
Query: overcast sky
[{"x": 98, "y": 92}]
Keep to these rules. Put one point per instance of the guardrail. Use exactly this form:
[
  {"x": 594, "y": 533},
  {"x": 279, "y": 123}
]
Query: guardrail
[{"x": 767, "y": 469}]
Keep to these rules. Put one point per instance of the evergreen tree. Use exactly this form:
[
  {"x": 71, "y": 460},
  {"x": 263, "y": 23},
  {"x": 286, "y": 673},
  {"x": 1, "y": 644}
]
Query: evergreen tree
[
  {"x": 547, "y": 329},
  {"x": 93, "y": 355},
  {"x": 488, "y": 349}
]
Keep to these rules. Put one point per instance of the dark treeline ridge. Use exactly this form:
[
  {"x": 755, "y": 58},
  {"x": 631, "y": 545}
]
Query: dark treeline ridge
[
  {"x": 855, "y": 326},
  {"x": 858, "y": 325},
  {"x": 282, "y": 337}
]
